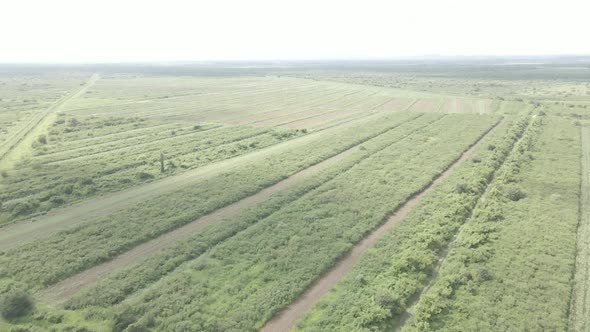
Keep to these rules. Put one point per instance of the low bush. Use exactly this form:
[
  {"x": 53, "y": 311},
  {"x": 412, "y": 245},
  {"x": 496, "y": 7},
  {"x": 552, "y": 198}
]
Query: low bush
[{"x": 15, "y": 304}]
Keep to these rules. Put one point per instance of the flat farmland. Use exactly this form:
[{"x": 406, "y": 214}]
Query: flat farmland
[{"x": 296, "y": 198}]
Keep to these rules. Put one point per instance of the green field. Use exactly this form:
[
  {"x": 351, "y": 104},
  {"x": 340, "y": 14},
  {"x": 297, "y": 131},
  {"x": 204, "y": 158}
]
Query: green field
[{"x": 320, "y": 196}]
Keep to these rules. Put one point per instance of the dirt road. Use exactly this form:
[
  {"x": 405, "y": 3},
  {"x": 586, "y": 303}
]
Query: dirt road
[
  {"x": 60, "y": 219},
  {"x": 63, "y": 290},
  {"x": 285, "y": 320}
]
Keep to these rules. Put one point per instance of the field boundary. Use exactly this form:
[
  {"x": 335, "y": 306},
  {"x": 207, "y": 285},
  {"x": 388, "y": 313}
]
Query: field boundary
[
  {"x": 579, "y": 319},
  {"x": 285, "y": 319}
]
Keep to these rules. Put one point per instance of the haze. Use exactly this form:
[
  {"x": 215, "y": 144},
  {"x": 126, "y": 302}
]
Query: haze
[{"x": 126, "y": 31}]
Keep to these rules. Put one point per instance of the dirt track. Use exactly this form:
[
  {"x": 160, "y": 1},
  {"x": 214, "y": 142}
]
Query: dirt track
[
  {"x": 63, "y": 290},
  {"x": 285, "y": 320},
  {"x": 60, "y": 219}
]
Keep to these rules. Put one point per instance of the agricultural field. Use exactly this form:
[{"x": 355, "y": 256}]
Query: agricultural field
[{"x": 336, "y": 196}]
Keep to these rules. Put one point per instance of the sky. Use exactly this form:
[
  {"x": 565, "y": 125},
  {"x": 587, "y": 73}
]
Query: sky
[{"x": 63, "y": 31}]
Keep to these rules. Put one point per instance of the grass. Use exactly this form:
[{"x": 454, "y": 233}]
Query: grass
[
  {"x": 100, "y": 239},
  {"x": 515, "y": 256},
  {"x": 491, "y": 247},
  {"x": 381, "y": 286},
  {"x": 579, "y": 307},
  {"x": 120, "y": 285},
  {"x": 73, "y": 174},
  {"x": 307, "y": 237}
]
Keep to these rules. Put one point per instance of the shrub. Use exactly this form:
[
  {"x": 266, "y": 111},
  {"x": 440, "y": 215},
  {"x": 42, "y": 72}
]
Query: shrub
[
  {"x": 514, "y": 193},
  {"x": 24, "y": 207},
  {"x": 42, "y": 139},
  {"x": 85, "y": 182},
  {"x": 123, "y": 318},
  {"x": 15, "y": 304},
  {"x": 461, "y": 188},
  {"x": 386, "y": 301},
  {"x": 73, "y": 122},
  {"x": 67, "y": 189},
  {"x": 144, "y": 176},
  {"x": 57, "y": 200}
]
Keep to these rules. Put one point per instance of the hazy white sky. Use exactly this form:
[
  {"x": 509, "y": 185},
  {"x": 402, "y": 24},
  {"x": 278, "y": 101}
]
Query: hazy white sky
[{"x": 169, "y": 30}]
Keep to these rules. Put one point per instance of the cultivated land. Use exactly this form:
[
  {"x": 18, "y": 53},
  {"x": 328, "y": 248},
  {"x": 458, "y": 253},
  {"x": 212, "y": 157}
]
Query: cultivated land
[{"x": 337, "y": 196}]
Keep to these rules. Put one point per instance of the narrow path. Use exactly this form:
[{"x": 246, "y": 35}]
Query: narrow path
[
  {"x": 19, "y": 144},
  {"x": 60, "y": 219},
  {"x": 285, "y": 320},
  {"x": 63, "y": 290},
  {"x": 579, "y": 319}
]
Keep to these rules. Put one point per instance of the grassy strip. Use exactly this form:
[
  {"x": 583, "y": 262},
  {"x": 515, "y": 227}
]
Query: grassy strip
[
  {"x": 242, "y": 282},
  {"x": 61, "y": 255},
  {"x": 383, "y": 282},
  {"x": 117, "y": 287},
  {"x": 510, "y": 268},
  {"x": 580, "y": 304}
]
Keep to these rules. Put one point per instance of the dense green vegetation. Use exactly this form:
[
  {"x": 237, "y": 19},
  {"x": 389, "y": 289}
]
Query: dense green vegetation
[
  {"x": 515, "y": 257},
  {"x": 117, "y": 287},
  {"x": 56, "y": 257},
  {"x": 382, "y": 284},
  {"x": 62, "y": 173},
  {"x": 243, "y": 281},
  {"x": 498, "y": 243}
]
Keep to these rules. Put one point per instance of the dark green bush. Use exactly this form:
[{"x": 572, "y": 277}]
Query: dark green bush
[
  {"x": 144, "y": 176},
  {"x": 123, "y": 318},
  {"x": 461, "y": 188},
  {"x": 514, "y": 193},
  {"x": 15, "y": 304},
  {"x": 57, "y": 200}
]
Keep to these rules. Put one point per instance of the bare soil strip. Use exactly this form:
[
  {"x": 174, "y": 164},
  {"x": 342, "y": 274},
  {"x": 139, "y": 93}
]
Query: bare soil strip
[
  {"x": 60, "y": 219},
  {"x": 579, "y": 318},
  {"x": 285, "y": 320},
  {"x": 63, "y": 290}
]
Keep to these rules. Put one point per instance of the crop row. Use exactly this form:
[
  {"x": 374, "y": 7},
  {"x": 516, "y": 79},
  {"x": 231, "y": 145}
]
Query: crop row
[
  {"x": 59, "y": 256},
  {"x": 117, "y": 287},
  {"x": 267, "y": 99},
  {"x": 379, "y": 288},
  {"x": 516, "y": 256},
  {"x": 241, "y": 282},
  {"x": 46, "y": 184},
  {"x": 73, "y": 133}
]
